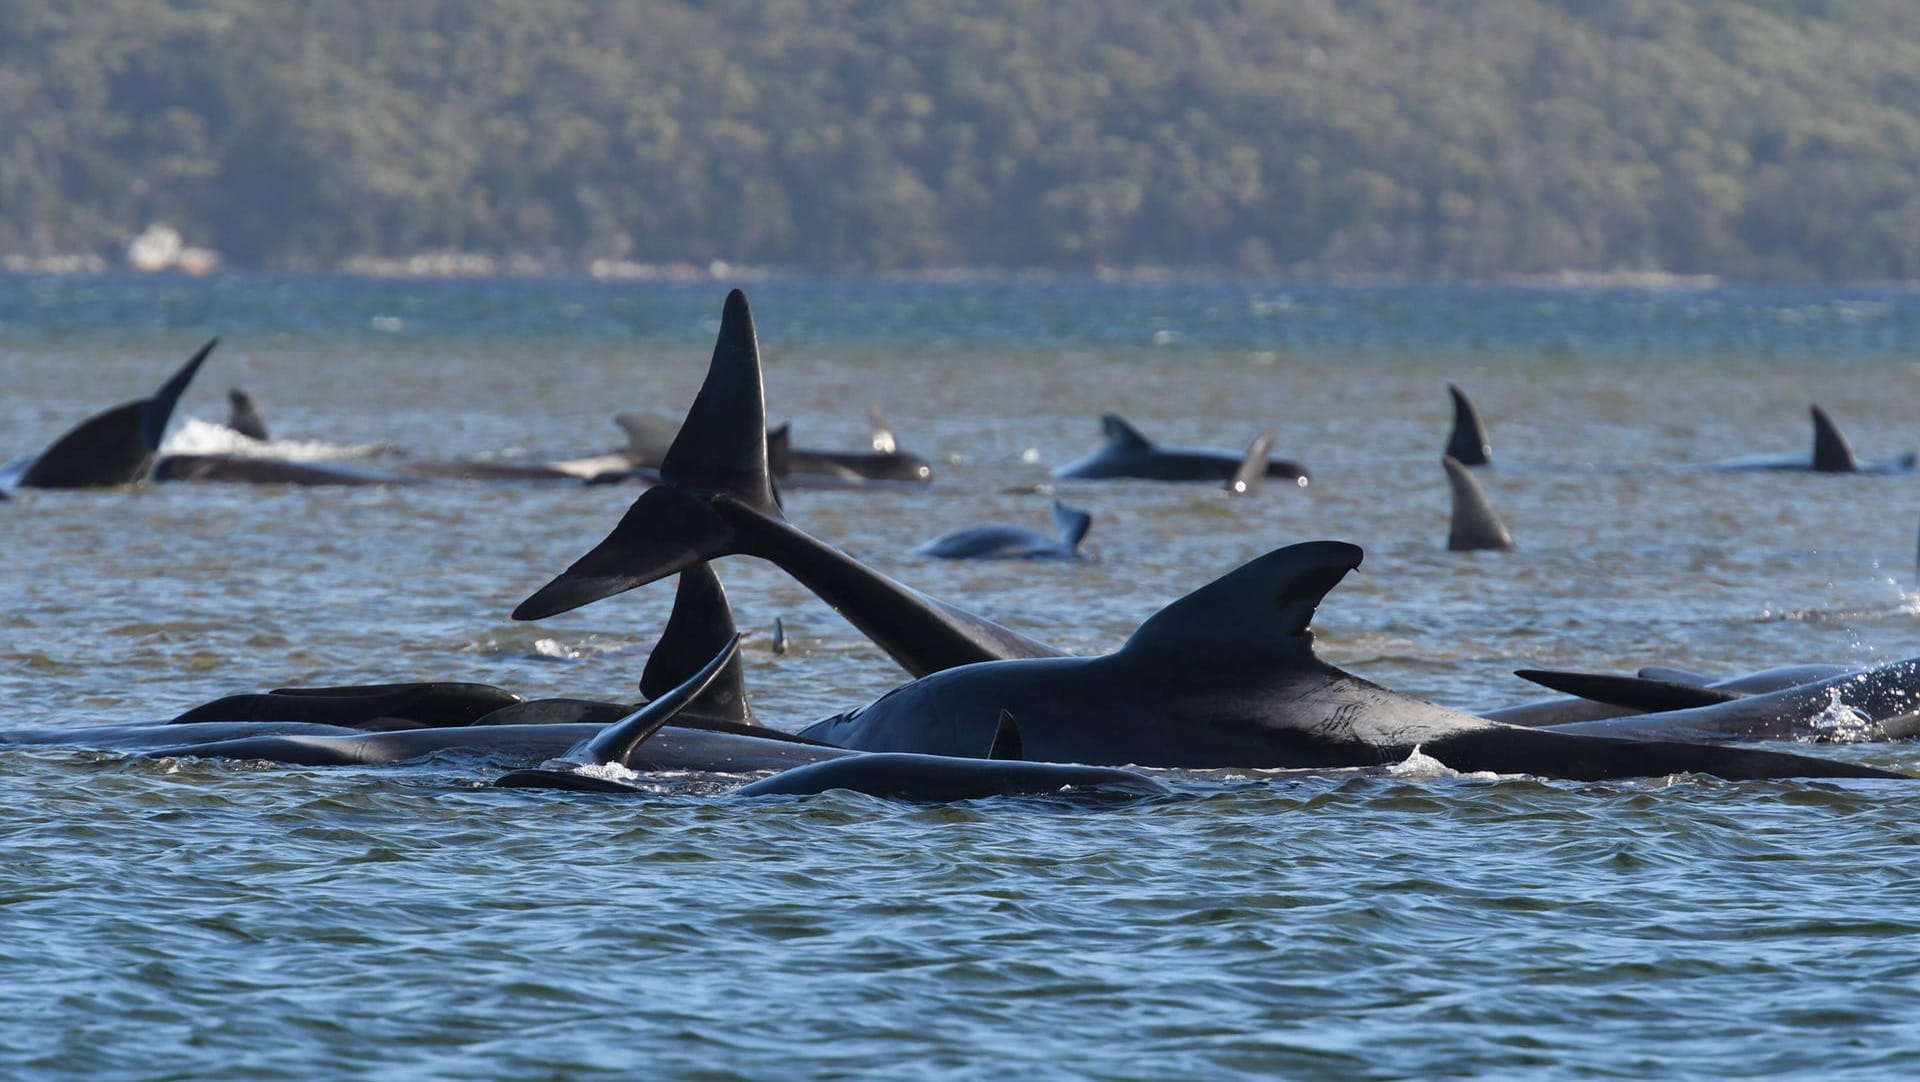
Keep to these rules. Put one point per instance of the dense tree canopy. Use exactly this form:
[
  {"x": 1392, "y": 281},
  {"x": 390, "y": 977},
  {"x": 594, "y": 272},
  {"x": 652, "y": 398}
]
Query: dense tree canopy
[{"x": 1417, "y": 138}]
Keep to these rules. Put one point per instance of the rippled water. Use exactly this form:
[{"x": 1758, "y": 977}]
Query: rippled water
[{"x": 199, "y": 920}]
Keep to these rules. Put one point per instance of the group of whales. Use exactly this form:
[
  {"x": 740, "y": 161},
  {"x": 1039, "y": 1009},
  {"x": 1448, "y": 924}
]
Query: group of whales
[{"x": 1225, "y": 677}]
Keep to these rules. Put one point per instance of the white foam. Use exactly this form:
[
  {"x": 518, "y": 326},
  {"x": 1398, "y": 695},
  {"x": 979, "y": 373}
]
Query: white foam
[
  {"x": 1843, "y": 724},
  {"x": 198, "y": 437},
  {"x": 1420, "y": 766}
]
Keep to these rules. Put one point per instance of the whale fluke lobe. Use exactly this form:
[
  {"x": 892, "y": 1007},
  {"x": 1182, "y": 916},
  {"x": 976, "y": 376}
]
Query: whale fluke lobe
[
  {"x": 1475, "y": 524},
  {"x": 700, "y": 625},
  {"x": 1468, "y": 443},
  {"x": 115, "y": 447},
  {"x": 1252, "y": 473},
  {"x": 1006, "y": 739},
  {"x": 1831, "y": 451},
  {"x": 722, "y": 445}
]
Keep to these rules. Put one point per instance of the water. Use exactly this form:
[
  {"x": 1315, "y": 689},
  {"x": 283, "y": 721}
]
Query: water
[{"x": 215, "y": 920}]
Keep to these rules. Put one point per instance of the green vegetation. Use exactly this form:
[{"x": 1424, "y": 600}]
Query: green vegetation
[{"x": 1417, "y": 138}]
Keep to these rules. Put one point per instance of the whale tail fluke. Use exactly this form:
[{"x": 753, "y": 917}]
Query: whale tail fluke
[
  {"x": 1468, "y": 443},
  {"x": 720, "y": 451},
  {"x": 1072, "y": 525},
  {"x": 1475, "y": 524},
  {"x": 701, "y": 624},
  {"x": 115, "y": 447},
  {"x": 1831, "y": 451},
  {"x": 1252, "y": 473}
]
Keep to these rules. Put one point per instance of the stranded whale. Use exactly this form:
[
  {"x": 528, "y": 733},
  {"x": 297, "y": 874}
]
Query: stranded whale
[
  {"x": 1127, "y": 453},
  {"x": 1227, "y": 677},
  {"x": 115, "y": 447},
  {"x": 997, "y": 542}
]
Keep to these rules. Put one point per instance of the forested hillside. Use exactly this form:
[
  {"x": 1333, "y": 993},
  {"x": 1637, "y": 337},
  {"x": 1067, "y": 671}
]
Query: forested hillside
[{"x": 1415, "y": 138}]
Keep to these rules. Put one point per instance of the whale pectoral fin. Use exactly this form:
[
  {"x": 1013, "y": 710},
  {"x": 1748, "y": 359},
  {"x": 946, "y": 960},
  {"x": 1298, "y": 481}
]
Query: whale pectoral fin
[
  {"x": 615, "y": 743},
  {"x": 1475, "y": 524},
  {"x": 647, "y": 437},
  {"x": 1072, "y": 524},
  {"x": 1633, "y": 692},
  {"x": 1006, "y": 739},
  {"x": 1252, "y": 472},
  {"x": 883, "y": 441},
  {"x": 1831, "y": 451},
  {"x": 700, "y": 624},
  {"x": 1122, "y": 436},
  {"x": 1468, "y": 442}
]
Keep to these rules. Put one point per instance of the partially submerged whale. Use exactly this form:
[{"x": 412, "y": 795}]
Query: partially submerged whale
[
  {"x": 896, "y": 776},
  {"x": 1227, "y": 677},
  {"x": 999, "y": 542},
  {"x": 1127, "y": 453},
  {"x": 1831, "y": 454},
  {"x": 1475, "y": 525},
  {"x": 116, "y": 447},
  {"x": 715, "y": 498},
  {"x": 243, "y": 416},
  {"x": 258, "y": 470}
]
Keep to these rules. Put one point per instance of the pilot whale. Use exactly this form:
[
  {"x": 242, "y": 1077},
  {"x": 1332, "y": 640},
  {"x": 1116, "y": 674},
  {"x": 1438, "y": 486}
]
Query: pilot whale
[
  {"x": 115, "y": 447},
  {"x": 1475, "y": 525},
  {"x": 1832, "y": 453},
  {"x": 1467, "y": 443},
  {"x": 998, "y": 542},
  {"x": 1127, "y": 453},
  {"x": 1227, "y": 677},
  {"x": 715, "y": 498}
]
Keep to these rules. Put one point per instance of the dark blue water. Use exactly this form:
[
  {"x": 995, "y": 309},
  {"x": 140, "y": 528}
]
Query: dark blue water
[{"x": 187, "y": 919}]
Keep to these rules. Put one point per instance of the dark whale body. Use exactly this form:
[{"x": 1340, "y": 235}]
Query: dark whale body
[
  {"x": 1127, "y": 453},
  {"x": 1227, "y": 677}
]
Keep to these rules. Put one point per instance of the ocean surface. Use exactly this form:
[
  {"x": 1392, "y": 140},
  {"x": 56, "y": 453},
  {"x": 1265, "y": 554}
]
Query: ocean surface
[{"x": 164, "y": 919}]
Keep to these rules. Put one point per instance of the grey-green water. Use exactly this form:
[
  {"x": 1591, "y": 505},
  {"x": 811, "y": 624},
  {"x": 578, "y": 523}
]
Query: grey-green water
[{"x": 209, "y": 920}]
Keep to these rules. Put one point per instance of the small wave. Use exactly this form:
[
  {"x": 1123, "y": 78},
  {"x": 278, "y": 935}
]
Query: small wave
[
  {"x": 198, "y": 437},
  {"x": 1420, "y": 766}
]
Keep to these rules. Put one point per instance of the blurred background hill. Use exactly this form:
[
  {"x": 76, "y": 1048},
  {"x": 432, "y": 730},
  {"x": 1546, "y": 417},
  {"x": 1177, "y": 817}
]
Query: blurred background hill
[{"x": 1431, "y": 139}]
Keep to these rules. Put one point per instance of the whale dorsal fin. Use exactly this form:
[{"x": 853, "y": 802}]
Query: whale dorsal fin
[
  {"x": 1252, "y": 473},
  {"x": 1831, "y": 451},
  {"x": 1256, "y": 612},
  {"x": 1632, "y": 692},
  {"x": 1468, "y": 444},
  {"x": 1072, "y": 524},
  {"x": 1475, "y": 525},
  {"x": 700, "y": 624},
  {"x": 647, "y": 437},
  {"x": 616, "y": 742},
  {"x": 722, "y": 445},
  {"x": 1122, "y": 436},
  {"x": 1006, "y": 739},
  {"x": 1671, "y": 675},
  {"x": 780, "y": 449},
  {"x": 243, "y": 416},
  {"x": 883, "y": 441}
]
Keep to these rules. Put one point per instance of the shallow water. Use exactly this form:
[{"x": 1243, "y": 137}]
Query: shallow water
[{"x": 200, "y": 920}]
